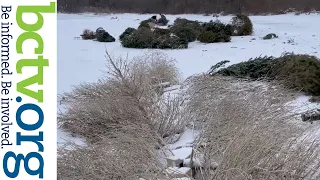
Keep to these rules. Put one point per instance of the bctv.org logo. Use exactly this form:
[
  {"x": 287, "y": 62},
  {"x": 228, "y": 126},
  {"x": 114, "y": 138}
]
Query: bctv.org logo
[{"x": 30, "y": 32}]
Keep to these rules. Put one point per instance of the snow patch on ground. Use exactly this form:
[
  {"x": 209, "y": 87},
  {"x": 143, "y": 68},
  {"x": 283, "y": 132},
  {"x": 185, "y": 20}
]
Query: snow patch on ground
[
  {"x": 65, "y": 137},
  {"x": 182, "y": 149},
  {"x": 302, "y": 104},
  {"x": 186, "y": 140},
  {"x": 182, "y": 153}
]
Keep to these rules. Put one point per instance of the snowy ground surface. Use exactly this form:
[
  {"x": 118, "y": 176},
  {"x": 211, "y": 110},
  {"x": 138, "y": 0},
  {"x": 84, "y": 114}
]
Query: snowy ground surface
[{"x": 82, "y": 61}]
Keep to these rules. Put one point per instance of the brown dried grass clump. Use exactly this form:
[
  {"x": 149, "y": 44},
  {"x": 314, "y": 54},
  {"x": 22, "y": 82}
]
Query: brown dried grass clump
[
  {"x": 124, "y": 119},
  {"x": 88, "y": 34},
  {"x": 248, "y": 133},
  {"x": 127, "y": 95},
  {"x": 123, "y": 157}
]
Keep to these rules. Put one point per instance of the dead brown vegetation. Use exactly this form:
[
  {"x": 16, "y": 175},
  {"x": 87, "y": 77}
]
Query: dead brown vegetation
[
  {"x": 248, "y": 133},
  {"x": 124, "y": 119},
  {"x": 123, "y": 157},
  {"x": 182, "y": 6},
  {"x": 129, "y": 95}
]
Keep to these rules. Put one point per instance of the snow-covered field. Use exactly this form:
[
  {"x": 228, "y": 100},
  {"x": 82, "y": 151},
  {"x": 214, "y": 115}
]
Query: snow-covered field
[{"x": 83, "y": 61}]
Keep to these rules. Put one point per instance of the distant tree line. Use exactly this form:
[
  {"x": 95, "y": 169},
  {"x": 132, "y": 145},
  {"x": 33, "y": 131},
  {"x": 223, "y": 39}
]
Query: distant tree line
[{"x": 186, "y": 6}]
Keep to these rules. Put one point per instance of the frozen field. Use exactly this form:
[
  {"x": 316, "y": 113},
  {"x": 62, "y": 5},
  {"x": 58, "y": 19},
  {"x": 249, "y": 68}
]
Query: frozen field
[{"x": 82, "y": 61}]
